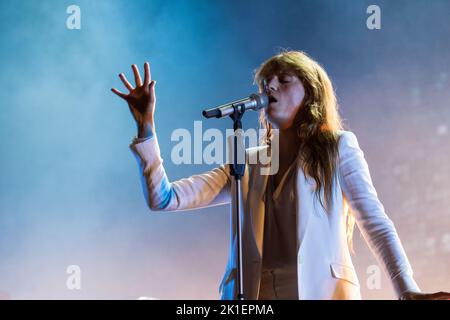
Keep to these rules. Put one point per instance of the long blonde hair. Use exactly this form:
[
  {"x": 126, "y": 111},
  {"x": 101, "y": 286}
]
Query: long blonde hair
[{"x": 317, "y": 120}]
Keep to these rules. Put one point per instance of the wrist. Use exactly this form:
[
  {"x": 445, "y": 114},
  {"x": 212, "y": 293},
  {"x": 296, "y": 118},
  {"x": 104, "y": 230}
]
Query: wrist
[{"x": 145, "y": 130}]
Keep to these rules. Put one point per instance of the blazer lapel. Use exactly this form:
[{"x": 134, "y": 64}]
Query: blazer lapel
[
  {"x": 305, "y": 204},
  {"x": 256, "y": 201}
]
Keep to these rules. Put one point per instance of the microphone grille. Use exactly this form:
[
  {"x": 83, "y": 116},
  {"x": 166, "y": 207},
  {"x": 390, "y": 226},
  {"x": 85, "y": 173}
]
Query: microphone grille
[{"x": 262, "y": 100}]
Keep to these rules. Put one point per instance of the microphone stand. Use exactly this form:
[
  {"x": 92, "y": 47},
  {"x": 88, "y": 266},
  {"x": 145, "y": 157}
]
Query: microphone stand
[{"x": 237, "y": 171}]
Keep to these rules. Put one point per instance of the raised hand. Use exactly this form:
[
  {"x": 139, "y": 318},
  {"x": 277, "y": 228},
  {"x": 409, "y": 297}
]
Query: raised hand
[{"x": 141, "y": 99}]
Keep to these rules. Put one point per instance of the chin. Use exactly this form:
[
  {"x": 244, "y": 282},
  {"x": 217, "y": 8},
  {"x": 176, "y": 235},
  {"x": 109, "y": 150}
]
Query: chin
[{"x": 274, "y": 119}]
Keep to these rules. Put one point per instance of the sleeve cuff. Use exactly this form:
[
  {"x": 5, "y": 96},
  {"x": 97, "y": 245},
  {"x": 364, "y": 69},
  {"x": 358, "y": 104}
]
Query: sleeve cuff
[
  {"x": 147, "y": 152},
  {"x": 137, "y": 140},
  {"x": 403, "y": 283}
]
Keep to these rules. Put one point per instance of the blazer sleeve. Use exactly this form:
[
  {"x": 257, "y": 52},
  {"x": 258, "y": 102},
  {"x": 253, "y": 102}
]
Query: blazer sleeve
[
  {"x": 375, "y": 226},
  {"x": 203, "y": 190}
]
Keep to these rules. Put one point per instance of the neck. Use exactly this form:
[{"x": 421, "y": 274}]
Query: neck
[{"x": 289, "y": 143}]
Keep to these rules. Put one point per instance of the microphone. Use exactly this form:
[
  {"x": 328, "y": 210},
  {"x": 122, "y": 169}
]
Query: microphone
[{"x": 253, "y": 102}]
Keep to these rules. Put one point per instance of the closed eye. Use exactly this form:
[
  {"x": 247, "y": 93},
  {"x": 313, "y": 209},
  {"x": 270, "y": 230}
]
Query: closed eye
[{"x": 285, "y": 79}]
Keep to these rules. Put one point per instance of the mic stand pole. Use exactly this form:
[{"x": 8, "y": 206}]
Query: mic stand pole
[{"x": 237, "y": 171}]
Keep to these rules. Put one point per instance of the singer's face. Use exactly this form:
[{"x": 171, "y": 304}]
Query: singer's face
[{"x": 286, "y": 93}]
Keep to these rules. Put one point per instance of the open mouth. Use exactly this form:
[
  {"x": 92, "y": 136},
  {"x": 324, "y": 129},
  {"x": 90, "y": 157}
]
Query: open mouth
[{"x": 272, "y": 99}]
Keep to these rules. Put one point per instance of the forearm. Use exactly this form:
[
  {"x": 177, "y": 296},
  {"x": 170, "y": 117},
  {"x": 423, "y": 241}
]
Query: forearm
[
  {"x": 376, "y": 227},
  {"x": 207, "y": 189},
  {"x": 155, "y": 184}
]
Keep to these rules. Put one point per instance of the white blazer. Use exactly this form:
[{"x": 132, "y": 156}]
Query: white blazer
[{"x": 324, "y": 265}]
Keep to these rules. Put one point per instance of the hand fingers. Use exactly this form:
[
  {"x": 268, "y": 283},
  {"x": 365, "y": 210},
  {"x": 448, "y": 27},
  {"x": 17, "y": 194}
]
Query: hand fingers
[
  {"x": 152, "y": 88},
  {"x": 120, "y": 94},
  {"x": 147, "y": 74},
  {"x": 125, "y": 81},
  {"x": 137, "y": 77},
  {"x": 442, "y": 295}
]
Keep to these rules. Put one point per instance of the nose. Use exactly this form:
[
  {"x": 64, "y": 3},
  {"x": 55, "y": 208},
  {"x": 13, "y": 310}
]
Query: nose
[{"x": 273, "y": 84}]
